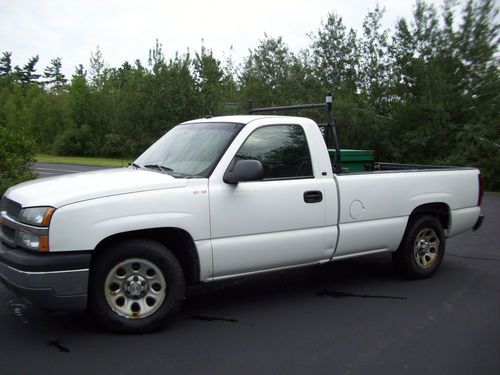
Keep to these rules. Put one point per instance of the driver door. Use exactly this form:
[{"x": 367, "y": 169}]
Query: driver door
[{"x": 273, "y": 223}]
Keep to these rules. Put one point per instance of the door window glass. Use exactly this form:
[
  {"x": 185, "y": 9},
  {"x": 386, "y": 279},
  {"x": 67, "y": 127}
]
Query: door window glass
[{"x": 282, "y": 150}]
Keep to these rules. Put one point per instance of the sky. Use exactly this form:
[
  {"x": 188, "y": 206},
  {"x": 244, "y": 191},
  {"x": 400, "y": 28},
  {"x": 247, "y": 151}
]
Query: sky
[{"x": 125, "y": 30}]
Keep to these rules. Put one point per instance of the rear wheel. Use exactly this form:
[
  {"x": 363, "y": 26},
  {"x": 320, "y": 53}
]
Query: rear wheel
[
  {"x": 135, "y": 286},
  {"x": 422, "y": 249}
]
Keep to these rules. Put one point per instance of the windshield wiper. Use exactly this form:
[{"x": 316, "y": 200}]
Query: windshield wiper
[
  {"x": 136, "y": 166},
  {"x": 159, "y": 167}
]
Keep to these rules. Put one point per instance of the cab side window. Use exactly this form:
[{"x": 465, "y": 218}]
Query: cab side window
[{"x": 282, "y": 150}]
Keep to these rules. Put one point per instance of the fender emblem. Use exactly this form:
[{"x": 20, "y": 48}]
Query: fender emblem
[{"x": 197, "y": 192}]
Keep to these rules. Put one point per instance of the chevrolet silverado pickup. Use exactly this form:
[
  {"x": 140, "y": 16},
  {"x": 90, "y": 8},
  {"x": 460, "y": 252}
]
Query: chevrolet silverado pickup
[{"x": 218, "y": 198}]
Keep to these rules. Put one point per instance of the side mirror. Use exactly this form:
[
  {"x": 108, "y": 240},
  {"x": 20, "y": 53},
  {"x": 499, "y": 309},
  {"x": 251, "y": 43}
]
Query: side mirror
[{"x": 244, "y": 170}]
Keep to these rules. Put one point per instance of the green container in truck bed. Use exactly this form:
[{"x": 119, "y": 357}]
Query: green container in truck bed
[{"x": 355, "y": 160}]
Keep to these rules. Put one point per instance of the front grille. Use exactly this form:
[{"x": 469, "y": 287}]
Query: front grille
[
  {"x": 12, "y": 208},
  {"x": 8, "y": 234}
]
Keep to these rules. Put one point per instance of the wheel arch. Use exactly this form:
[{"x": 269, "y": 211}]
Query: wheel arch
[
  {"x": 178, "y": 241},
  {"x": 439, "y": 210},
  {"x": 407, "y": 258}
]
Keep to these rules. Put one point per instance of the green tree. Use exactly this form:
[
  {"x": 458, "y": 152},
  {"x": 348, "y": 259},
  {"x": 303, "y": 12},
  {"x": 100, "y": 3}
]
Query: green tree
[
  {"x": 79, "y": 100},
  {"x": 421, "y": 118},
  {"x": 233, "y": 104},
  {"x": 477, "y": 87},
  {"x": 209, "y": 78},
  {"x": 98, "y": 71},
  {"x": 76, "y": 137},
  {"x": 171, "y": 92},
  {"x": 27, "y": 74},
  {"x": 335, "y": 56},
  {"x": 128, "y": 133},
  {"x": 6, "y": 65},
  {"x": 156, "y": 56},
  {"x": 425, "y": 92},
  {"x": 273, "y": 75},
  {"x": 55, "y": 79},
  {"x": 16, "y": 154},
  {"x": 80, "y": 71},
  {"x": 48, "y": 116},
  {"x": 375, "y": 63}
]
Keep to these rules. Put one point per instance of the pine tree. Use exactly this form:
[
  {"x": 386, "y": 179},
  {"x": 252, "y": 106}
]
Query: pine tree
[
  {"x": 6, "y": 65},
  {"x": 27, "y": 74},
  {"x": 54, "y": 77},
  {"x": 80, "y": 71}
]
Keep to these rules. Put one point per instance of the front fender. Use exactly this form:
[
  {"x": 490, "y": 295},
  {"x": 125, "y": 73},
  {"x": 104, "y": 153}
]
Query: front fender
[{"x": 82, "y": 225}]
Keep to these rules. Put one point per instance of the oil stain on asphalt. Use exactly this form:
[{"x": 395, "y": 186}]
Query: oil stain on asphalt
[
  {"x": 336, "y": 294},
  {"x": 212, "y": 319},
  {"x": 57, "y": 344}
]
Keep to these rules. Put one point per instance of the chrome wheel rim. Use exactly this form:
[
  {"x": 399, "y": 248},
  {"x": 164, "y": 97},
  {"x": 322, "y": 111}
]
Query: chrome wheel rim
[
  {"x": 135, "y": 288},
  {"x": 426, "y": 248}
]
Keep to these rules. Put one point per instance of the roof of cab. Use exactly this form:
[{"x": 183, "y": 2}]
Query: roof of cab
[{"x": 240, "y": 119}]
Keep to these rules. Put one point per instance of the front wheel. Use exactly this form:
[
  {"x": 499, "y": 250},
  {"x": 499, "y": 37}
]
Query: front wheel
[
  {"x": 422, "y": 249},
  {"x": 135, "y": 286}
]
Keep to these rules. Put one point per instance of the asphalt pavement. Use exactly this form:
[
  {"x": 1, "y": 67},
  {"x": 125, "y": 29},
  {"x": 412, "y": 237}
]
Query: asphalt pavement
[
  {"x": 351, "y": 317},
  {"x": 57, "y": 169}
]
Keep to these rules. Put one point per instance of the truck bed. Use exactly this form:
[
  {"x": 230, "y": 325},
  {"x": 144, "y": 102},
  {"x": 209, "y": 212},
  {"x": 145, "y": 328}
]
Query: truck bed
[{"x": 381, "y": 166}]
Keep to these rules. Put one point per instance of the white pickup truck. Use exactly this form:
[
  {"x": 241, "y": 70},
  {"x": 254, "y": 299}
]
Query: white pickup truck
[{"x": 214, "y": 199}]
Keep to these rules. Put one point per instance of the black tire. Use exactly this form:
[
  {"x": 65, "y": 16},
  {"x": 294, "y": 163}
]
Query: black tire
[
  {"x": 422, "y": 249},
  {"x": 135, "y": 286}
]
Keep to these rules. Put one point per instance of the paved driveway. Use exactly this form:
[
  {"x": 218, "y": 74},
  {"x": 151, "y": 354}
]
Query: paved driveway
[
  {"x": 56, "y": 169},
  {"x": 351, "y": 317}
]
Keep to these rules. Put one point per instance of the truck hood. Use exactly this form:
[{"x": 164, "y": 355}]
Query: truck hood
[{"x": 71, "y": 188}]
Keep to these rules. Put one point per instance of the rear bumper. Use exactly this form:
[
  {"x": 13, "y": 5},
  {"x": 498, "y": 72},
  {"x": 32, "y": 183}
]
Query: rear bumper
[
  {"x": 479, "y": 222},
  {"x": 51, "y": 281}
]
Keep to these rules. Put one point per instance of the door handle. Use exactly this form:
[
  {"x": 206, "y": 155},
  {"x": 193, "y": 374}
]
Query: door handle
[{"x": 313, "y": 196}]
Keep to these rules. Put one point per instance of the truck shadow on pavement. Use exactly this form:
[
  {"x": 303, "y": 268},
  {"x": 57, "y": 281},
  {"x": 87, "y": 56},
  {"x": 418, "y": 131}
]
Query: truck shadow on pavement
[
  {"x": 371, "y": 277},
  {"x": 365, "y": 277}
]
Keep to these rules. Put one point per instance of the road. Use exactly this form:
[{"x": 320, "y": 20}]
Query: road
[
  {"x": 56, "y": 169},
  {"x": 350, "y": 317}
]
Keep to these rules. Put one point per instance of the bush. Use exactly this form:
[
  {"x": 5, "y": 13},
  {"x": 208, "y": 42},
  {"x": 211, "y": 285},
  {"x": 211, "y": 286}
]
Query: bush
[
  {"x": 76, "y": 142},
  {"x": 16, "y": 154},
  {"x": 113, "y": 145},
  {"x": 475, "y": 149}
]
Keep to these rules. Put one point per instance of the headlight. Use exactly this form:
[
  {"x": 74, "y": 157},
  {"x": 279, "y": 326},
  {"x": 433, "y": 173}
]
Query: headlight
[
  {"x": 34, "y": 235},
  {"x": 39, "y": 216}
]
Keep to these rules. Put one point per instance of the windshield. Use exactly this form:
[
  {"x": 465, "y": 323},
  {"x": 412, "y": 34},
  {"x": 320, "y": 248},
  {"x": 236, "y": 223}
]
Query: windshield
[{"x": 189, "y": 150}]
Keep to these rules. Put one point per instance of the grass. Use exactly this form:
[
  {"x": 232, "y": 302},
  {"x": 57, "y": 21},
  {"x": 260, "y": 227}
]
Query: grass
[{"x": 101, "y": 162}]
